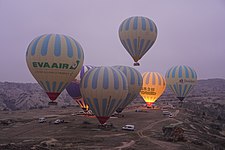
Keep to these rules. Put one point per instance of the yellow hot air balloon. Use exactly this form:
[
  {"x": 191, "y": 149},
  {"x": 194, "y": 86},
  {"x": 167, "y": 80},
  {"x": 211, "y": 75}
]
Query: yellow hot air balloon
[
  {"x": 153, "y": 87},
  {"x": 104, "y": 89},
  {"x": 134, "y": 80},
  {"x": 54, "y": 60},
  {"x": 181, "y": 80},
  {"x": 137, "y": 34}
]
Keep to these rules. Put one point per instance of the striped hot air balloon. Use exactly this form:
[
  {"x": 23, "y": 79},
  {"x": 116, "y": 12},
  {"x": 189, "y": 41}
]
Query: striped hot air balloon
[
  {"x": 153, "y": 87},
  {"x": 104, "y": 89},
  {"x": 134, "y": 80},
  {"x": 181, "y": 79},
  {"x": 73, "y": 89},
  {"x": 137, "y": 34},
  {"x": 54, "y": 60}
]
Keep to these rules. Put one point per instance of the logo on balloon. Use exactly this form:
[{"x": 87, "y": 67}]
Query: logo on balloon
[
  {"x": 148, "y": 93},
  {"x": 186, "y": 81},
  {"x": 45, "y": 65},
  {"x": 74, "y": 66},
  {"x": 181, "y": 81}
]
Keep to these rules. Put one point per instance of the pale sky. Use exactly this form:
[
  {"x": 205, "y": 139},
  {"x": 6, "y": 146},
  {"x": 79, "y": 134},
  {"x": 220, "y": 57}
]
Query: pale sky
[{"x": 190, "y": 32}]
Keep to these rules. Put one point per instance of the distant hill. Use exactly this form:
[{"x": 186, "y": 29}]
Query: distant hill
[
  {"x": 205, "y": 91},
  {"x": 15, "y": 96}
]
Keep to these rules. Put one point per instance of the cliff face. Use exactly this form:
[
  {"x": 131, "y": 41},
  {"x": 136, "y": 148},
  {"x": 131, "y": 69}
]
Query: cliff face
[{"x": 14, "y": 96}]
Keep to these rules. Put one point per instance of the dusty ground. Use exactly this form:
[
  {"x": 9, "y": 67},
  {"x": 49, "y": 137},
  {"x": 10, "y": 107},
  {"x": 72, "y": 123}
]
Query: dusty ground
[{"x": 82, "y": 132}]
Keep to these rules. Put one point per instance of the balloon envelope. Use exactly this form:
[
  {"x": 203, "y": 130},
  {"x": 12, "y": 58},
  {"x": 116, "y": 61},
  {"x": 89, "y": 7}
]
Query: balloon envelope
[
  {"x": 103, "y": 89},
  {"x": 153, "y": 87},
  {"x": 181, "y": 79},
  {"x": 137, "y": 35},
  {"x": 134, "y": 80},
  {"x": 73, "y": 89},
  {"x": 54, "y": 60}
]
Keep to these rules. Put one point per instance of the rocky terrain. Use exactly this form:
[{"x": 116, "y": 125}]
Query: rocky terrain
[
  {"x": 17, "y": 96},
  {"x": 197, "y": 123},
  {"x": 207, "y": 97}
]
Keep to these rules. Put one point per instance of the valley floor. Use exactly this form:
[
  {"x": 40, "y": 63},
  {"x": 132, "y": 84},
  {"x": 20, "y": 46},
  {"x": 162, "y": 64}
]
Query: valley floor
[{"x": 21, "y": 130}]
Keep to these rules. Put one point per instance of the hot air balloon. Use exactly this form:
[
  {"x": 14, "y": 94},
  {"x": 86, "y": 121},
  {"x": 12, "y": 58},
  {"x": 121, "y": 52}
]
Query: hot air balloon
[
  {"x": 134, "y": 80},
  {"x": 181, "y": 79},
  {"x": 54, "y": 60},
  {"x": 104, "y": 89},
  {"x": 153, "y": 87},
  {"x": 137, "y": 34},
  {"x": 73, "y": 89}
]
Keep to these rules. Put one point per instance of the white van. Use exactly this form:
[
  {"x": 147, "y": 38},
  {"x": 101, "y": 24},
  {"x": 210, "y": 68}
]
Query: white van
[
  {"x": 128, "y": 127},
  {"x": 166, "y": 112}
]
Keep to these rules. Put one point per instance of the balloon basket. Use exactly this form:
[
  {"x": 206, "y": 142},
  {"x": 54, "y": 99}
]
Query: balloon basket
[
  {"x": 149, "y": 104},
  {"x": 136, "y": 64},
  {"x": 52, "y": 103},
  {"x": 105, "y": 126},
  {"x": 180, "y": 104},
  {"x": 85, "y": 110}
]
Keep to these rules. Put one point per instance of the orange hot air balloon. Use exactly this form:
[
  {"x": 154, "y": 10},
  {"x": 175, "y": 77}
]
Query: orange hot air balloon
[{"x": 154, "y": 85}]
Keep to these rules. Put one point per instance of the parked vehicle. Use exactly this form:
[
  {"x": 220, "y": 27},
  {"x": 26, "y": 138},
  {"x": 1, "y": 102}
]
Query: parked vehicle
[
  {"x": 128, "y": 127},
  {"x": 166, "y": 113},
  {"x": 41, "y": 120},
  {"x": 58, "y": 121}
]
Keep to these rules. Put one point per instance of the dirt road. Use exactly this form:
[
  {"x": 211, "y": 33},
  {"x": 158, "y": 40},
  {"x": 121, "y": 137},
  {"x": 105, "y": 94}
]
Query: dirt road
[{"x": 164, "y": 145}]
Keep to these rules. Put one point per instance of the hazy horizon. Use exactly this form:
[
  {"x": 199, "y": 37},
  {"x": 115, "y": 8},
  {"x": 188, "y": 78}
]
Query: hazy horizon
[{"x": 189, "y": 33}]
